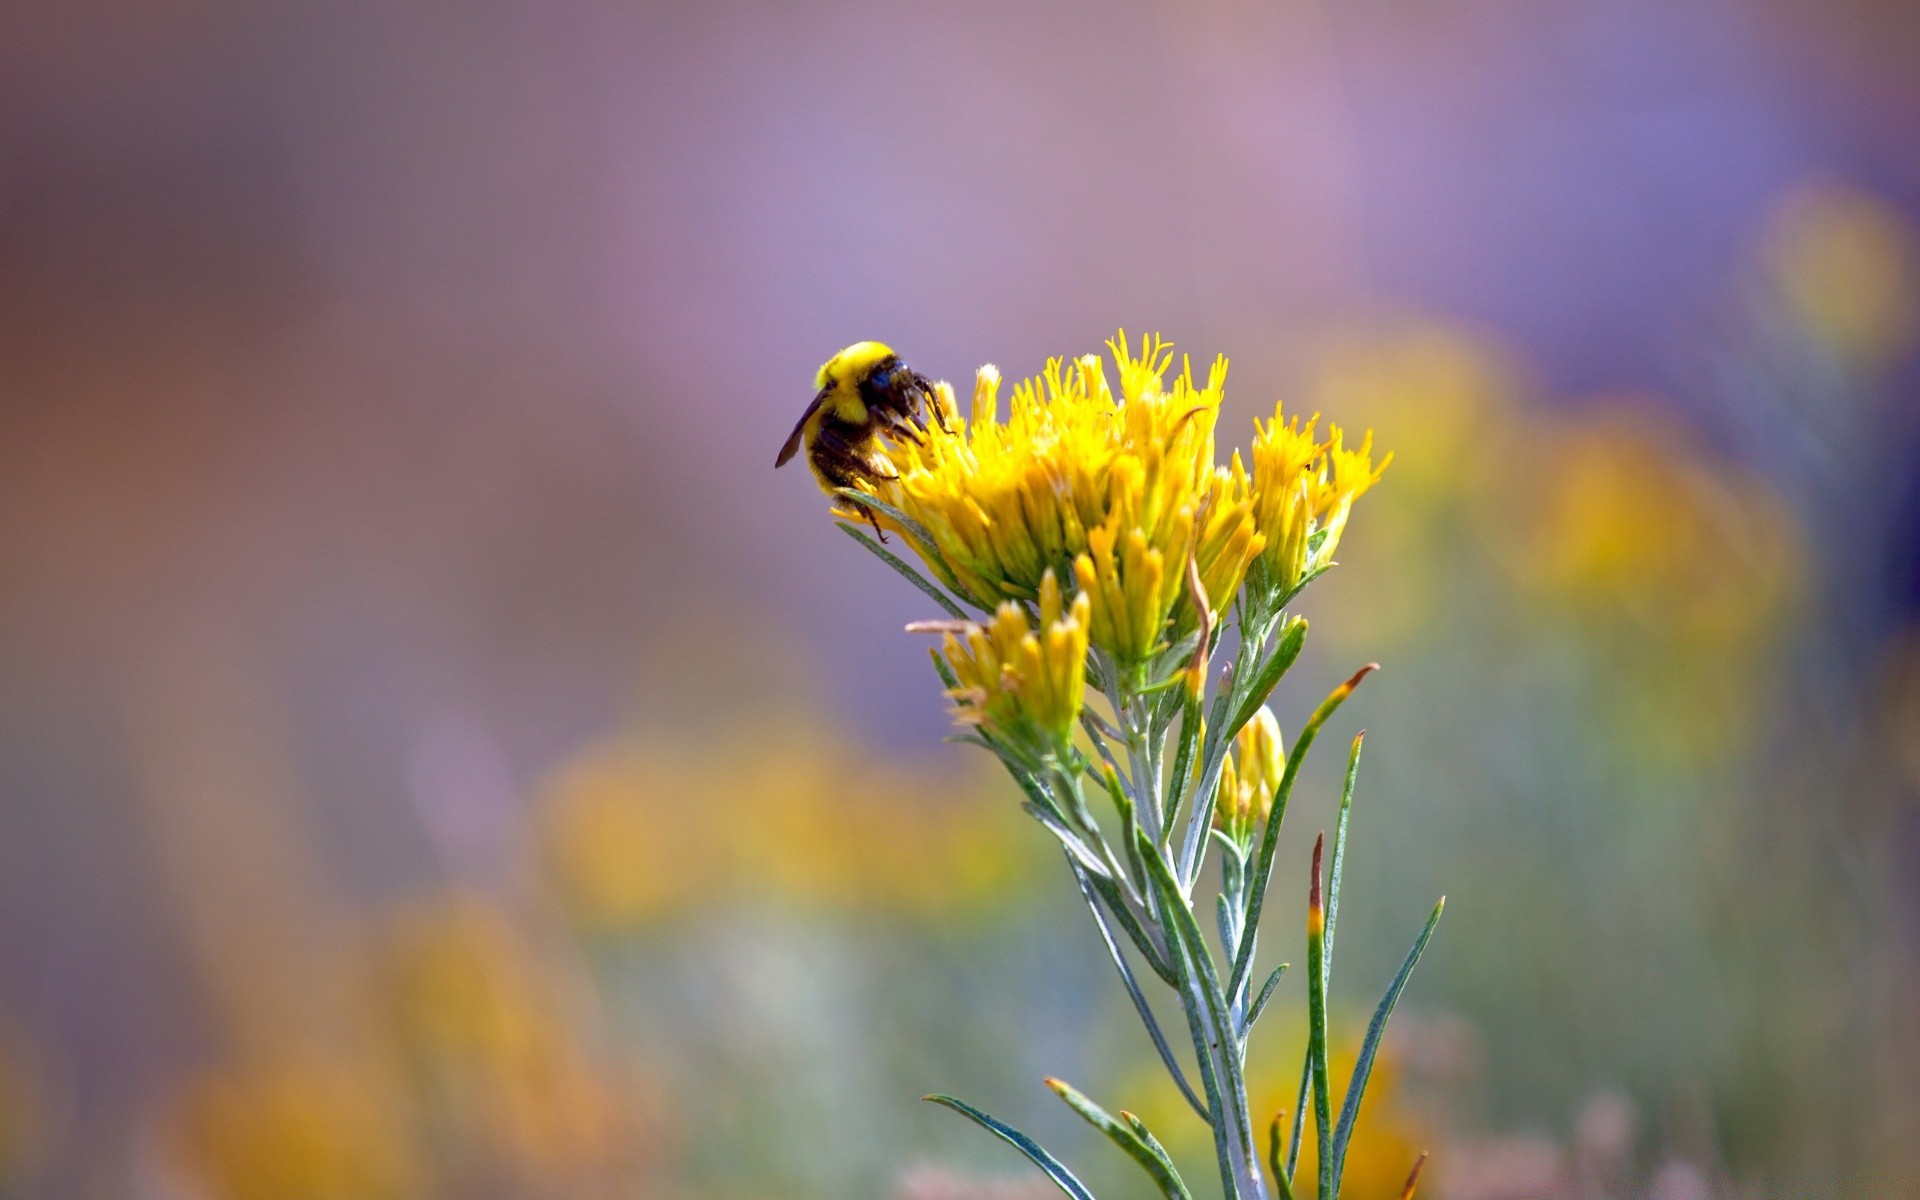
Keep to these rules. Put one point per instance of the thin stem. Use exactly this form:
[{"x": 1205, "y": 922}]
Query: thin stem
[{"x": 1208, "y": 1019}]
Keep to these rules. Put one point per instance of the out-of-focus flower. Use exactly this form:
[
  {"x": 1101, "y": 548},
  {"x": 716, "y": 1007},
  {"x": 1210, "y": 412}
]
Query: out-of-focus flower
[
  {"x": 617, "y": 820},
  {"x": 635, "y": 829},
  {"x": 1847, "y": 269},
  {"x": 490, "y": 1038},
  {"x": 1687, "y": 566},
  {"x": 1120, "y": 490},
  {"x": 458, "y": 987},
  {"x": 303, "y": 1128},
  {"x": 1020, "y": 684},
  {"x": 1249, "y": 776},
  {"x": 1443, "y": 398}
]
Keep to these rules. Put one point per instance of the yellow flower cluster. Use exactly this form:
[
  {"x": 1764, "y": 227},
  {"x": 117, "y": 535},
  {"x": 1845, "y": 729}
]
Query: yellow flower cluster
[
  {"x": 1022, "y": 684},
  {"x": 1250, "y": 776},
  {"x": 1118, "y": 492},
  {"x": 1304, "y": 490}
]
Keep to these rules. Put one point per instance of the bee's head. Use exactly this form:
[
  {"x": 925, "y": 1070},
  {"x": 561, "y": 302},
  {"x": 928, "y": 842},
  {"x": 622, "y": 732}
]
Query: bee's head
[{"x": 852, "y": 366}]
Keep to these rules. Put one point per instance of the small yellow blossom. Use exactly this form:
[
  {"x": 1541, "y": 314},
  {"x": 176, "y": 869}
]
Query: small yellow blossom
[
  {"x": 1117, "y": 492},
  {"x": 1250, "y": 776},
  {"x": 1022, "y": 684},
  {"x": 1305, "y": 488}
]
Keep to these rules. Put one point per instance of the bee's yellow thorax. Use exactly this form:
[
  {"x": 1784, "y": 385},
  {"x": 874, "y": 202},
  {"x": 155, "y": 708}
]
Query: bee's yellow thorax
[{"x": 842, "y": 374}]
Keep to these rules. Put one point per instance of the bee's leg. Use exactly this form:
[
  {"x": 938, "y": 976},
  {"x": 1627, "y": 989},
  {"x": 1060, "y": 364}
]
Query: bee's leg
[
  {"x": 904, "y": 427},
  {"x": 932, "y": 396},
  {"x": 842, "y": 462}
]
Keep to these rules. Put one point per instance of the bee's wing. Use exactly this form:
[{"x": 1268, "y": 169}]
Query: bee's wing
[{"x": 799, "y": 429}]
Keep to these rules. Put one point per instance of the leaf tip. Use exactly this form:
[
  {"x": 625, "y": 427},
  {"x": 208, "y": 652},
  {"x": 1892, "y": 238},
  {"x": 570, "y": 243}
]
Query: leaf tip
[
  {"x": 1413, "y": 1176},
  {"x": 1314, "y": 907}
]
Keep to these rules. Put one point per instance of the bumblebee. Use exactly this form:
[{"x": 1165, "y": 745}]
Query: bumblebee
[{"x": 865, "y": 391}]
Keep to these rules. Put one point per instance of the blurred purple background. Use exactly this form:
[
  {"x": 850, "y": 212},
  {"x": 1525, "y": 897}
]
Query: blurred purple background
[{"x": 390, "y": 391}]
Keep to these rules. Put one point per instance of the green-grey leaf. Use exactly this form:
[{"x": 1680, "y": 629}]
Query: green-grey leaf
[
  {"x": 1152, "y": 1143},
  {"x": 1282, "y": 1182},
  {"x": 912, "y": 576},
  {"x": 1271, "y": 670},
  {"x": 1056, "y": 1171},
  {"x": 1134, "y": 993},
  {"x": 1363, "y": 1068},
  {"x": 1263, "y": 870},
  {"x": 1123, "y": 1136},
  {"x": 1266, "y": 993}
]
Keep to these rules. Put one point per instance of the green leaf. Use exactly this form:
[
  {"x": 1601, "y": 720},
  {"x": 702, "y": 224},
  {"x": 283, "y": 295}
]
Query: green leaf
[
  {"x": 1271, "y": 670},
  {"x": 1363, "y": 1068},
  {"x": 1056, "y": 1171},
  {"x": 1109, "y": 891},
  {"x": 1263, "y": 870},
  {"x": 1317, "y": 1028},
  {"x": 1340, "y": 843},
  {"x": 1266, "y": 993},
  {"x": 930, "y": 549},
  {"x": 912, "y": 576},
  {"x": 1152, "y": 1143},
  {"x": 1282, "y": 1178},
  {"x": 1188, "y": 944},
  {"x": 1124, "y": 807},
  {"x": 1123, "y": 1136},
  {"x": 1188, "y": 742},
  {"x": 1136, "y": 995},
  {"x": 914, "y": 528},
  {"x": 944, "y": 670}
]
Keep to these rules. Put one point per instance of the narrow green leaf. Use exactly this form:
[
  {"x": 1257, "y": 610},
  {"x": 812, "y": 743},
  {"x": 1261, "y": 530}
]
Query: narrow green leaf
[
  {"x": 1213, "y": 752},
  {"x": 944, "y": 670},
  {"x": 1363, "y": 1068},
  {"x": 912, "y": 576},
  {"x": 1056, "y": 1171},
  {"x": 914, "y": 528},
  {"x": 929, "y": 548},
  {"x": 1190, "y": 946},
  {"x": 1271, "y": 670},
  {"x": 1184, "y": 748},
  {"x": 1282, "y": 1179},
  {"x": 1263, "y": 870},
  {"x": 1146, "y": 1136},
  {"x": 1176, "y": 950},
  {"x": 1136, "y": 933},
  {"x": 1340, "y": 843},
  {"x": 1134, "y": 993},
  {"x": 1317, "y": 1026},
  {"x": 1123, "y": 1136},
  {"x": 1123, "y": 805},
  {"x": 1300, "y": 1112},
  {"x": 1266, "y": 992}
]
